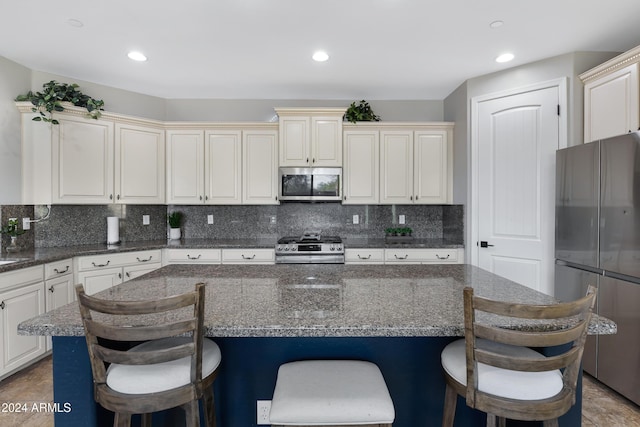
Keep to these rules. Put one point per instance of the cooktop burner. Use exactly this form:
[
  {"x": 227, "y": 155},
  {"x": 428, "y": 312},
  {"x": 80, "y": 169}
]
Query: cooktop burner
[
  {"x": 303, "y": 239},
  {"x": 311, "y": 247}
]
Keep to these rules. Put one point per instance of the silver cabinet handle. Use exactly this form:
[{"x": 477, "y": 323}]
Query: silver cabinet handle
[
  {"x": 100, "y": 265},
  {"x": 443, "y": 257},
  {"x": 364, "y": 257},
  {"x": 55, "y": 270},
  {"x": 145, "y": 260},
  {"x": 194, "y": 257},
  {"x": 248, "y": 257},
  {"x": 401, "y": 257}
]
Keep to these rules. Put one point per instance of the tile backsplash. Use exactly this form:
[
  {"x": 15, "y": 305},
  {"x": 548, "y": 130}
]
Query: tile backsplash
[{"x": 87, "y": 224}]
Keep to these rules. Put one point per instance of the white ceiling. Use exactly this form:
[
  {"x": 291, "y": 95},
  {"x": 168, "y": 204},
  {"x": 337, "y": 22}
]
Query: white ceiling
[{"x": 261, "y": 49}]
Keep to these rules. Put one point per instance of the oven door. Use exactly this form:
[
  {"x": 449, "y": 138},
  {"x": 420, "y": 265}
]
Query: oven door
[{"x": 310, "y": 184}]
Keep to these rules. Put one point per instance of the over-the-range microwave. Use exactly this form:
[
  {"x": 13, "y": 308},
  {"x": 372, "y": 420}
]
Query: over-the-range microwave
[{"x": 310, "y": 184}]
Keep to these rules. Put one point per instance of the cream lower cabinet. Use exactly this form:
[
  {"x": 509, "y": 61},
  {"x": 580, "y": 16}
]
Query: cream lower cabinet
[
  {"x": 248, "y": 256},
  {"x": 424, "y": 256},
  {"x": 21, "y": 298},
  {"x": 59, "y": 286},
  {"x": 192, "y": 256},
  {"x": 100, "y": 272},
  {"x": 364, "y": 256},
  {"x": 416, "y": 167}
]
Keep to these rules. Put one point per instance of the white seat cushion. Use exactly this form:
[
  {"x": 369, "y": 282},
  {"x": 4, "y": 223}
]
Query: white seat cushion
[
  {"x": 502, "y": 382},
  {"x": 331, "y": 392},
  {"x": 153, "y": 378}
]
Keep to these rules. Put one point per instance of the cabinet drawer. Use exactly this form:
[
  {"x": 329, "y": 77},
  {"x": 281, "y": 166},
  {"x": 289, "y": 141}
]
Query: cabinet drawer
[
  {"x": 12, "y": 279},
  {"x": 58, "y": 268},
  {"x": 192, "y": 256},
  {"x": 364, "y": 255},
  {"x": 118, "y": 259},
  {"x": 407, "y": 256},
  {"x": 248, "y": 256},
  {"x": 441, "y": 256}
]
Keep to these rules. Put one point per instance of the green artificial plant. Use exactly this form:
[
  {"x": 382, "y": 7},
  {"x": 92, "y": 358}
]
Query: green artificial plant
[
  {"x": 174, "y": 219},
  {"x": 52, "y": 96},
  {"x": 11, "y": 229},
  {"x": 361, "y": 112}
]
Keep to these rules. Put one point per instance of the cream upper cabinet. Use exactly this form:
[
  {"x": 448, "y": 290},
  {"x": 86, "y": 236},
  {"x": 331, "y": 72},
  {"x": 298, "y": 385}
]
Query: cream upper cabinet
[
  {"x": 82, "y": 161},
  {"x": 139, "y": 164},
  {"x": 185, "y": 167},
  {"x": 396, "y": 167},
  {"x": 223, "y": 167},
  {"x": 260, "y": 167},
  {"x": 416, "y": 166},
  {"x": 361, "y": 172},
  {"x": 310, "y": 137},
  {"x": 612, "y": 97}
]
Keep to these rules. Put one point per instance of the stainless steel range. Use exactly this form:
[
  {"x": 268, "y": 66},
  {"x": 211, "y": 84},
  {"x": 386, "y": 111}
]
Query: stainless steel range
[{"x": 310, "y": 248}]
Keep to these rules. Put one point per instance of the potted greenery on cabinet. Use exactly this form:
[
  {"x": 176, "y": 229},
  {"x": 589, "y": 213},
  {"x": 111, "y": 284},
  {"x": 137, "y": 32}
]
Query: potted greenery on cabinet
[{"x": 175, "y": 221}]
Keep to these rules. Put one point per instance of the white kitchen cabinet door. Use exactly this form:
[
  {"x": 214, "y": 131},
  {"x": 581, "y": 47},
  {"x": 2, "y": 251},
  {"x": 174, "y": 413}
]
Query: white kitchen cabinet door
[
  {"x": 361, "y": 172},
  {"x": 139, "y": 164},
  {"x": 59, "y": 291},
  {"x": 132, "y": 272},
  {"x": 248, "y": 256},
  {"x": 260, "y": 167},
  {"x": 432, "y": 169},
  {"x": 396, "y": 167},
  {"x": 98, "y": 280},
  {"x": 326, "y": 141},
  {"x": 295, "y": 141},
  {"x": 17, "y": 306},
  {"x": 611, "y": 104},
  {"x": 185, "y": 167},
  {"x": 82, "y": 157},
  {"x": 223, "y": 167}
]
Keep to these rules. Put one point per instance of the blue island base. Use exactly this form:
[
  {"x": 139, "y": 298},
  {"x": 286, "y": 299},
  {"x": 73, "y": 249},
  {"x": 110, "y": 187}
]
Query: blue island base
[{"x": 411, "y": 367}]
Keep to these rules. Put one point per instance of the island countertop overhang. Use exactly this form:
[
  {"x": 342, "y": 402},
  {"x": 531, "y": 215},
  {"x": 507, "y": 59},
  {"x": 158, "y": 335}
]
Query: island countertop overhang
[{"x": 318, "y": 300}]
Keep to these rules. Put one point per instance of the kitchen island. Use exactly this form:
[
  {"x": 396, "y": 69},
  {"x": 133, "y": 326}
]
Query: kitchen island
[{"x": 399, "y": 317}]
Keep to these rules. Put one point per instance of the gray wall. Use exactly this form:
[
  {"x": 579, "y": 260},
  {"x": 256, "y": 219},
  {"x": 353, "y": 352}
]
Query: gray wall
[{"x": 14, "y": 80}]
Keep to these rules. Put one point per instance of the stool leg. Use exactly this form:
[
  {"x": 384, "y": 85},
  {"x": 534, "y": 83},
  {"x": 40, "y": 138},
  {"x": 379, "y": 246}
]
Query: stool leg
[
  {"x": 192, "y": 413},
  {"x": 551, "y": 423},
  {"x": 121, "y": 420},
  {"x": 209, "y": 407},
  {"x": 146, "y": 420},
  {"x": 491, "y": 420},
  {"x": 450, "y": 401}
]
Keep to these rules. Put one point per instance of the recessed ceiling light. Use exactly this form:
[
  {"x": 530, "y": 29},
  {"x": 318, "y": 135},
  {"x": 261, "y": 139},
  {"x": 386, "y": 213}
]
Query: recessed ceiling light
[
  {"x": 137, "y": 56},
  {"x": 505, "y": 57},
  {"x": 496, "y": 24},
  {"x": 75, "y": 23},
  {"x": 320, "y": 56}
]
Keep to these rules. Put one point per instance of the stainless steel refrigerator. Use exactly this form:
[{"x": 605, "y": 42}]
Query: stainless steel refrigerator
[{"x": 598, "y": 242}]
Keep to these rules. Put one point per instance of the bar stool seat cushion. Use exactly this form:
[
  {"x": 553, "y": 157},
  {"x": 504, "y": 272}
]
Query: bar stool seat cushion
[
  {"x": 331, "y": 392},
  {"x": 503, "y": 382},
  {"x": 153, "y": 378}
]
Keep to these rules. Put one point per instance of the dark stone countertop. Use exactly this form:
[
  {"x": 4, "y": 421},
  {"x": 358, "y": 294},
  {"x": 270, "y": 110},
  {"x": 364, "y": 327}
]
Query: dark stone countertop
[
  {"x": 45, "y": 255},
  {"x": 325, "y": 300}
]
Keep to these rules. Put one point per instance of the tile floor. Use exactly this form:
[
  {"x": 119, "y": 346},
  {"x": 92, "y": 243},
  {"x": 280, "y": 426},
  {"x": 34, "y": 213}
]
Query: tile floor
[{"x": 601, "y": 407}]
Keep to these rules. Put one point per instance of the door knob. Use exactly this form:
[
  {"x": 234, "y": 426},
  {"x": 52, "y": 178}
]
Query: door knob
[{"x": 484, "y": 244}]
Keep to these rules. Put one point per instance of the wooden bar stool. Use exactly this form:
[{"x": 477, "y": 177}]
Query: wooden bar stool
[
  {"x": 331, "y": 393},
  {"x": 174, "y": 366},
  {"x": 497, "y": 370}
]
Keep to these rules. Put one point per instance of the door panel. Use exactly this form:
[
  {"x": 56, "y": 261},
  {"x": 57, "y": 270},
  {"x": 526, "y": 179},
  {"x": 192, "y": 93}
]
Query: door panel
[{"x": 517, "y": 141}]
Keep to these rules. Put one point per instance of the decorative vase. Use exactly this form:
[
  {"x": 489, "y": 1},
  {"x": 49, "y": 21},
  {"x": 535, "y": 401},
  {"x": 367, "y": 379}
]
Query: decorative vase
[
  {"x": 175, "y": 234},
  {"x": 13, "y": 246}
]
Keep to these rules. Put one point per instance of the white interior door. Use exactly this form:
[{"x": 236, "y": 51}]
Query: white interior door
[{"x": 517, "y": 138}]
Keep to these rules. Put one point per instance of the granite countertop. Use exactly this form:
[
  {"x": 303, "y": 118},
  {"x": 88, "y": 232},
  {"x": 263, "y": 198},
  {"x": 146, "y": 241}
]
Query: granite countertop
[
  {"x": 328, "y": 300},
  {"x": 45, "y": 255}
]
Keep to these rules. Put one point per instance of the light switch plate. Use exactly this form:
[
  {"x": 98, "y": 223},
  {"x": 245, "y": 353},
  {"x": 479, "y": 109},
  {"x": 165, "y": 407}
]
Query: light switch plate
[
  {"x": 356, "y": 219},
  {"x": 209, "y": 219},
  {"x": 401, "y": 219}
]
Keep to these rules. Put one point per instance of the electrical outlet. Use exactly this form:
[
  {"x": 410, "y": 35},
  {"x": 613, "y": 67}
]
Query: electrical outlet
[
  {"x": 26, "y": 223},
  {"x": 273, "y": 219},
  {"x": 209, "y": 219},
  {"x": 356, "y": 219},
  {"x": 145, "y": 220},
  {"x": 401, "y": 219},
  {"x": 263, "y": 409}
]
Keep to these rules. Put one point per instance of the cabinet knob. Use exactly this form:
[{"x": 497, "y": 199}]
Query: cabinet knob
[
  {"x": 110, "y": 196},
  {"x": 118, "y": 197},
  {"x": 2, "y": 305},
  {"x": 119, "y": 275},
  {"x": 200, "y": 197},
  {"x": 313, "y": 160},
  {"x": 410, "y": 197},
  {"x": 51, "y": 289},
  {"x": 128, "y": 274},
  {"x": 307, "y": 160}
]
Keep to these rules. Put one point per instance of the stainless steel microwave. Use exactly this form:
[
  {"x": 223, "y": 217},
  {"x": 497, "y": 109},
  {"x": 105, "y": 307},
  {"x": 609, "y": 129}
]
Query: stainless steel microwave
[{"x": 310, "y": 184}]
